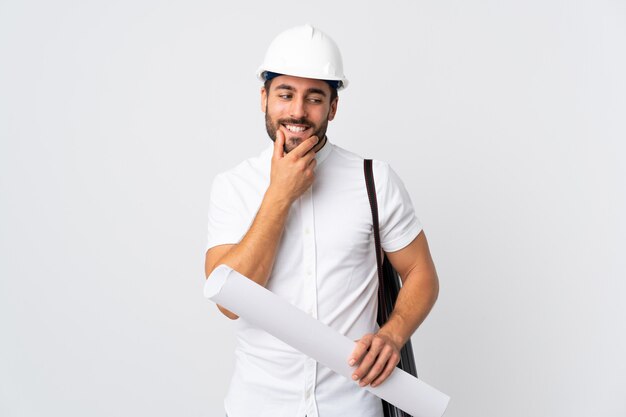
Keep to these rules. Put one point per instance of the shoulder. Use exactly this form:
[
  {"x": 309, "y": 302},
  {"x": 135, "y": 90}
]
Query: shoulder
[
  {"x": 244, "y": 184},
  {"x": 344, "y": 159},
  {"x": 350, "y": 156},
  {"x": 250, "y": 171},
  {"x": 346, "y": 155}
]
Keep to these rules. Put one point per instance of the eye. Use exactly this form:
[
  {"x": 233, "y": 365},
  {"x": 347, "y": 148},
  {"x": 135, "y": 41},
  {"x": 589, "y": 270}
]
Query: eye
[
  {"x": 285, "y": 96},
  {"x": 315, "y": 100}
]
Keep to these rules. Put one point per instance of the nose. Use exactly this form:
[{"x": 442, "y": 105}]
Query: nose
[{"x": 298, "y": 108}]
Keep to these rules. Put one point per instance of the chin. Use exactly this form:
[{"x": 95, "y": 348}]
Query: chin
[{"x": 292, "y": 143}]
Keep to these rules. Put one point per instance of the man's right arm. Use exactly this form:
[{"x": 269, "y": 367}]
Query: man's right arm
[{"x": 291, "y": 175}]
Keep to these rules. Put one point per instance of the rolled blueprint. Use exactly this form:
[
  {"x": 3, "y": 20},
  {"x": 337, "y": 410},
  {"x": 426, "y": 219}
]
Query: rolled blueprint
[{"x": 266, "y": 310}]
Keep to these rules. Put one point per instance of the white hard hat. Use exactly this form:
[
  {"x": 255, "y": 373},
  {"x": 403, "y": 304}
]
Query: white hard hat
[{"x": 307, "y": 52}]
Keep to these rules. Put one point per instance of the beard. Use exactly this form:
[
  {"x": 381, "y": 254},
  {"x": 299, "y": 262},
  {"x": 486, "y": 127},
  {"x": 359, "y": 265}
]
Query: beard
[{"x": 291, "y": 142}]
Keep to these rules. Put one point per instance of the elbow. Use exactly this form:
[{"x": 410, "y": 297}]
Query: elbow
[
  {"x": 435, "y": 289},
  {"x": 212, "y": 259},
  {"x": 227, "y": 313}
]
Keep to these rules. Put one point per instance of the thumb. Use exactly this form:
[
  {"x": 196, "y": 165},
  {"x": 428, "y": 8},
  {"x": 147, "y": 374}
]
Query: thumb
[{"x": 279, "y": 144}]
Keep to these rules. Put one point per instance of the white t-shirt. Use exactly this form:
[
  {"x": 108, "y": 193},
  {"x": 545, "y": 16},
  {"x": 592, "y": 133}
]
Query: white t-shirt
[{"x": 325, "y": 265}]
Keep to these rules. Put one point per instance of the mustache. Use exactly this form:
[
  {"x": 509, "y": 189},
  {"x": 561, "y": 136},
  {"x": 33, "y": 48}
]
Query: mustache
[{"x": 302, "y": 121}]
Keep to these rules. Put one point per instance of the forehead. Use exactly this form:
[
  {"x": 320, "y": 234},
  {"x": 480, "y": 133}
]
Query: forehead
[{"x": 299, "y": 83}]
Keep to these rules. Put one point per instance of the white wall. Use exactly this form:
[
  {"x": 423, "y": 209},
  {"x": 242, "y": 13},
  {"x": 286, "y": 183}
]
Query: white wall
[{"x": 504, "y": 118}]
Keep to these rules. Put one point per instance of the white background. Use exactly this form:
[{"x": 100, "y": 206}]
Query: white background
[{"x": 506, "y": 120}]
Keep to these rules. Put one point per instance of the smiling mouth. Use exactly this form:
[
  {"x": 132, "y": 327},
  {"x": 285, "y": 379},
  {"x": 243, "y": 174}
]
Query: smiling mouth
[{"x": 295, "y": 128}]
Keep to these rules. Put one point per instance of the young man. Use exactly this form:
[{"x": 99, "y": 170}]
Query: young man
[{"x": 296, "y": 219}]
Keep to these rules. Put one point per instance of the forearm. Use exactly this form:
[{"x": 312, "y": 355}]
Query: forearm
[
  {"x": 377, "y": 355},
  {"x": 254, "y": 255},
  {"x": 415, "y": 300}
]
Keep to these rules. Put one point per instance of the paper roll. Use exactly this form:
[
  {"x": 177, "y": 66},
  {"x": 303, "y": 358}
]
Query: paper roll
[{"x": 276, "y": 316}]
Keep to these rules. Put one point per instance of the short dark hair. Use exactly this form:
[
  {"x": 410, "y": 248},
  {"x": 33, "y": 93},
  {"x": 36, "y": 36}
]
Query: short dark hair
[{"x": 333, "y": 90}]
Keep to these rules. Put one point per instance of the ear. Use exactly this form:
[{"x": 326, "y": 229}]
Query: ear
[
  {"x": 333, "y": 109},
  {"x": 263, "y": 99}
]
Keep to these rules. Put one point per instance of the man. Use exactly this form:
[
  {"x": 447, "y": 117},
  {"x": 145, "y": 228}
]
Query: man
[{"x": 296, "y": 219}]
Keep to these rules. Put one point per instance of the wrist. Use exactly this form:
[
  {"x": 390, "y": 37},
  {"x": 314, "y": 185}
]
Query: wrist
[
  {"x": 393, "y": 334},
  {"x": 277, "y": 200}
]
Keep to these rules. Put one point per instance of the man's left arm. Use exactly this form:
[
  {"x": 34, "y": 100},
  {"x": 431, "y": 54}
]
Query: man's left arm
[{"x": 376, "y": 355}]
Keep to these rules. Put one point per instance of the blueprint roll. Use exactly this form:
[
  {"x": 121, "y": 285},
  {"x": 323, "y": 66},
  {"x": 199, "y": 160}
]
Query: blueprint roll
[{"x": 276, "y": 316}]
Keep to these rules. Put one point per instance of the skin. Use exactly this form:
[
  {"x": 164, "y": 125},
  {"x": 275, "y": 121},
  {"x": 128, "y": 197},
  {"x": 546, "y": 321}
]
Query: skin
[
  {"x": 376, "y": 355},
  {"x": 306, "y": 103},
  {"x": 298, "y": 102}
]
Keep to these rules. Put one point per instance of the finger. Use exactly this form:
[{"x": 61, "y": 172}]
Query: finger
[
  {"x": 391, "y": 365},
  {"x": 279, "y": 144},
  {"x": 360, "y": 349},
  {"x": 310, "y": 170},
  {"x": 304, "y": 147},
  {"x": 378, "y": 366},
  {"x": 365, "y": 366},
  {"x": 368, "y": 360}
]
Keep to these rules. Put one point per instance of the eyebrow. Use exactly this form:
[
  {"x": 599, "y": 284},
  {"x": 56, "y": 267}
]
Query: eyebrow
[{"x": 309, "y": 91}]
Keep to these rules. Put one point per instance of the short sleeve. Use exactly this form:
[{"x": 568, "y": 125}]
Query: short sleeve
[
  {"x": 227, "y": 223},
  {"x": 398, "y": 223}
]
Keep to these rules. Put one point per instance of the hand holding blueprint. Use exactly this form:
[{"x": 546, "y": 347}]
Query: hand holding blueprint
[{"x": 276, "y": 316}]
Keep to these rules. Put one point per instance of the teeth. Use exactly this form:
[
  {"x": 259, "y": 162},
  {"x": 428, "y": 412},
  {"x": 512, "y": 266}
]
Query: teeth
[{"x": 295, "y": 129}]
